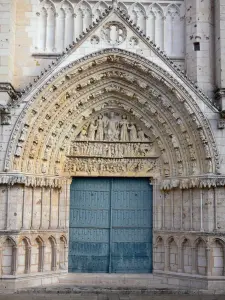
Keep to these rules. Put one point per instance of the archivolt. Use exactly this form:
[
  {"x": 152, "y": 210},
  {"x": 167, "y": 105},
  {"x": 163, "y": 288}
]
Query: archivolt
[{"x": 112, "y": 80}]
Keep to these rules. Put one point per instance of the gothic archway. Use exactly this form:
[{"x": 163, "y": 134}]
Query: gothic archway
[{"x": 165, "y": 119}]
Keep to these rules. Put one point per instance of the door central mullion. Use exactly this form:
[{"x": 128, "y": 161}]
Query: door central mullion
[{"x": 110, "y": 225}]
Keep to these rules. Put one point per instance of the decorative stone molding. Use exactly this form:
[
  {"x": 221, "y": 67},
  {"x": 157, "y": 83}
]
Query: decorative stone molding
[
  {"x": 32, "y": 181},
  {"x": 206, "y": 181},
  {"x": 5, "y": 115},
  {"x": 114, "y": 33},
  {"x": 7, "y": 87}
]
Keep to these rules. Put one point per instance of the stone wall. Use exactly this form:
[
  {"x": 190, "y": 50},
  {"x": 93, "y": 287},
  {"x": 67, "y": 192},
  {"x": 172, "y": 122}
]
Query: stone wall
[
  {"x": 200, "y": 50},
  {"x": 34, "y": 44},
  {"x": 7, "y": 35},
  {"x": 196, "y": 210}
]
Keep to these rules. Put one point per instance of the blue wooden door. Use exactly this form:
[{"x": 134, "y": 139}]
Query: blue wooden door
[{"x": 110, "y": 225}]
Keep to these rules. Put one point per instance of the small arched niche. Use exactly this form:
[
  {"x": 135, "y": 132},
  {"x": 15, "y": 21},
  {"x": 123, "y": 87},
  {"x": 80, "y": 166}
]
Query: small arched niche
[
  {"x": 159, "y": 254},
  {"x": 7, "y": 257},
  {"x": 218, "y": 258},
  {"x": 23, "y": 257},
  {"x": 187, "y": 256},
  {"x": 201, "y": 257},
  {"x": 173, "y": 255}
]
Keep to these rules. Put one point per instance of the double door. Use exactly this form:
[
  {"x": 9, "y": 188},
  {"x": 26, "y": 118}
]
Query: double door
[{"x": 110, "y": 225}]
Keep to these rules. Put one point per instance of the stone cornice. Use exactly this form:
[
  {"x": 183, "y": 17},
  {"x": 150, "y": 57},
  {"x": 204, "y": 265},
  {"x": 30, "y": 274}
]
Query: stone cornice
[
  {"x": 32, "y": 180},
  {"x": 203, "y": 181}
]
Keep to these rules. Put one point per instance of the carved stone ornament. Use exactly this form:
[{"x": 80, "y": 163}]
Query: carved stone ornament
[
  {"x": 5, "y": 116},
  {"x": 114, "y": 33},
  {"x": 33, "y": 181},
  {"x": 95, "y": 40},
  {"x": 112, "y": 144},
  {"x": 221, "y": 124},
  {"x": 115, "y": 167},
  {"x": 133, "y": 41},
  {"x": 193, "y": 182}
]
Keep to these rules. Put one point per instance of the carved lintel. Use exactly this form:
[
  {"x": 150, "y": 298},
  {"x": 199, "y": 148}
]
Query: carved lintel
[
  {"x": 113, "y": 150},
  {"x": 112, "y": 167}
]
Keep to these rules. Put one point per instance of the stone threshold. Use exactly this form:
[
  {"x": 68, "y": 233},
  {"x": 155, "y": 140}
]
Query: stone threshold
[{"x": 62, "y": 290}]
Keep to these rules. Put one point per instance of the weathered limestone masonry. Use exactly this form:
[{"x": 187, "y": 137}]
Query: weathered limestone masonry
[{"x": 67, "y": 68}]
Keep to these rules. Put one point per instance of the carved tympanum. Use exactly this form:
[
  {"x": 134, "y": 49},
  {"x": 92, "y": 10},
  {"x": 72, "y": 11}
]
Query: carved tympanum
[{"x": 112, "y": 144}]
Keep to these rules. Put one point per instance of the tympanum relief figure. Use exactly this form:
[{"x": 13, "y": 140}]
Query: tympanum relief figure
[{"x": 112, "y": 128}]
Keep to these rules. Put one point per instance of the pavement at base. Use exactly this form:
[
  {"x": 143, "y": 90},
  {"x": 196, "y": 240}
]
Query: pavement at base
[{"x": 108, "y": 296}]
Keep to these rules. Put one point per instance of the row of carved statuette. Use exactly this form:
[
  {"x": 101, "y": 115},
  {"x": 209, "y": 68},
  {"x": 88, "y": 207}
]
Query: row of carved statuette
[
  {"x": 32, "y": 181},
  {"x": 113, "y": 166},
  {"x": 112, "y": 127},
  {"x": 112, "y": 150},
  {"x": 195, "y": 182}
]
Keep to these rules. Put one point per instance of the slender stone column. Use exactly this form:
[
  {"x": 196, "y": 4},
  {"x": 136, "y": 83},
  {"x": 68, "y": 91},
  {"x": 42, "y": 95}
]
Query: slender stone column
[
  {"x": 59, "y": 207},
  {"x": 180, "y": 260},
  {"x": 14, "y": 260},
  {"x": 208, "y": 262},
  {"x": 42, "y": 258},
  {"x": 181, "y": 210},
  {"x": 191, "y": 209},
  {"x": 167, "y": 260},
  {"x": 54, "y": 258},
  {"x": 194, "y": 260},
  {"x": 28, "y": 260},
  {"x": 23, "y": 208},
  {"x": 224, "y": 260},
  {"x": 201, "y": 210},
  {"x": 215, "y": 209},
  {"x": 163, "y": 210},
  {"x": 50, "y": 211},
  {"x": 154, "y": 256},
  {"x": 7, "y": 207},
  {"x": 172, "y": 210}
]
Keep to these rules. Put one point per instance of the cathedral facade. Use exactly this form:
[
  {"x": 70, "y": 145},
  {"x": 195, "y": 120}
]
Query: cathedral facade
[{"x": 112, "y": 140}]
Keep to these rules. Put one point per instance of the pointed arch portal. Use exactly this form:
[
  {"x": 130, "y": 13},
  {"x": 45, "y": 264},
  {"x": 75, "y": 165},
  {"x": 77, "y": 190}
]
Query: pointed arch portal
[{"x": 112, "y": 114}]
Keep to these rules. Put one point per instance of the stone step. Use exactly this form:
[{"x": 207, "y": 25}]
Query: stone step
[{"x": 112, "y": 280}]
